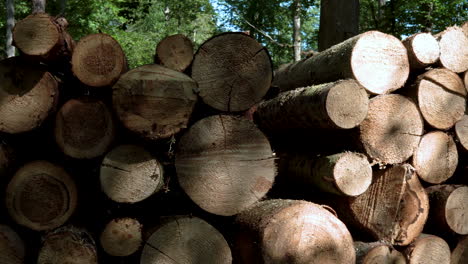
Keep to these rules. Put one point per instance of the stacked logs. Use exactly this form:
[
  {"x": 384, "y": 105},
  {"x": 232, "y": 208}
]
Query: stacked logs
[{"x": 185, "y": 161}]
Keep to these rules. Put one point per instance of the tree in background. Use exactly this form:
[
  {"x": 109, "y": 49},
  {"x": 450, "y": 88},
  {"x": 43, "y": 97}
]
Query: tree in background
[{"x": 10, "y": 23}]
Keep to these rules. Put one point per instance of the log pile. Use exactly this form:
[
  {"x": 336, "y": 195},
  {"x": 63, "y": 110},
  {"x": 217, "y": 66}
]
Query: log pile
[{"x": 361, "y": 157}]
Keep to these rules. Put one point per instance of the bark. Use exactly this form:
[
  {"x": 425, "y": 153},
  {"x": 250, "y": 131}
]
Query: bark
[
  {"x": 460, "y": 253},
  {"x": 98, "y": 60},
  {"x": 38, "y": 6},
  {"x": 377, "y": 253},
  {"x": 360, "y": 58},
  {"x": 339, "y": 105},
  {"x": 10, "y": 10},
  {"x": 453, "y": 51},
  {"x": 41, "y": 196},
  {"x": 461, "y": 131},
  {"x": 339, "y": 21},
  {"x": 153, "y": 101},
  {"x": 290, "y": 231},
  {"x": 297, "y": 29},
  {"x": 175, "y": 52},
  {"x": 423, "y": 50},
  {"x": 428, "y": 249},
  {"x": 130, "y": 174},
  {"x": 186, "y": 240},
  {"x": 11, "y": 246},
  {"x": 233, "y": 71},
  {"x": 121, "y": 237},
  {"x": 28, "y": 95},
  {"x": 224, "y": 149},
  {"x": 465, "y": 79}
]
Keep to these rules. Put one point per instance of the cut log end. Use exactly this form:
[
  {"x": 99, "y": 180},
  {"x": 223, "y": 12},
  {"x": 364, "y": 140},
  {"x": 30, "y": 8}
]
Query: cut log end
[
  {"x": 377, "y": 253},
  {"x": 121, "y": 237},
  {"x": 11, "y": 246},
  {"x": 175, "y": 52},
  {"x": 460, "y": 253},
  {"x": 453, "y": 51},
  {"x": 352, "y": 173},
  {"x": 130, "y": 174},
  {"x": 423, "y": 50},
  {"x": 461, "y": 131},
  {"x": 36, "y": 34},
  {"x": 428, "y": 249},
  {"x": 456, "y": 210}
]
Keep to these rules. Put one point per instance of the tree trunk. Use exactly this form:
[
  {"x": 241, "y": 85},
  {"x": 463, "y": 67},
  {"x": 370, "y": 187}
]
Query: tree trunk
[
  {"x": 392, "y": 129},
  {"x": 38, "y": 6},
  {"x": 225, "y": 164},
  {"x": 84, "y": 128},
  {"x": 98, "y": 60},
  {"x": 339, "y": 105},
  {"x": 296, "y": 6},
  {"x": 175, "y": 52},
  {"x": 6, "y": 160},
  {"x": 428, "y": 249},
  {"x": 153, "y": 101},
  {"x": 68, "y": 245},
  {"x": 423, "y": 50},
  {"x": 121, "y": 237},
  {"x": 460, "y": 253},
  {"x": 290, "y": 231},
  {"x": 453, "y": 51},
  {"x": 11, "y": 246},
  {"x": 377, "y": 253},
  {"x": 28, "y": 95},
  {"x": 339, "y": 21},
  {"x": 41, "y": 196},
  {"x": 186, "y": 240},
  {"x": 344, "y": 173},
  {"x": 461, "y": 131},
  {"x": 233, "y": 71},
  {"x": 10, "y": 10},
  {"x": 130, "y": 174},
  {"x": 63, "y": 7},
  {"x": 379, "y": 62},
  {"x": 449, "y": 209}
]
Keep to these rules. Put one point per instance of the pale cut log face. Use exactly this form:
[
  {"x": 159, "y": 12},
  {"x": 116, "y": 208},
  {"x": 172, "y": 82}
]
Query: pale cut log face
[
  {"x": 454, "y": 49},
  {"x": 425, "y": 48},
  {"x": 456, "y": 210},
  {"x": 121, "y": 237},
  {"x": 461, "y": 130},
  {"x": 384, "y": 255},
  {"x": 354, "y": 174},
  {"x": 175, "y": 52},
  {"x": 36, "y": 34},
  {"x": 429, "y": 249}
]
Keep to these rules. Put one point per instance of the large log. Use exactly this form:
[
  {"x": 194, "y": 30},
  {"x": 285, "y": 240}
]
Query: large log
[
  {"x": 392, "y": 129},
  {"x": 339, "y": 105},
  {"x": 98, "y": 60},
  {"x": 41, "y": 196},
  {"x": 379, "y": 62},
  {"x": 377, "y": 253},
  {"x": 289, "y": 231},
  {"x": 121, "y": 237},
  {"x": 233, "y": 71},
  {"x": 130, "y": 174},
  {"x": 174, "y": 52},
  {"x": 186, "y": 240},
  {"x": 428, "y": 249},
  {"x": 28, "y": 94},
  {"x": 11, "y": 246},
  {"x": 225, "y": 164},
  {"x": 84, "y": 128},
  {"x": 453, "y": 49},
  {"x": 423, "y": 50},
  {"x": 154, "y": 101},
  {"x": 460, "y": 253}
]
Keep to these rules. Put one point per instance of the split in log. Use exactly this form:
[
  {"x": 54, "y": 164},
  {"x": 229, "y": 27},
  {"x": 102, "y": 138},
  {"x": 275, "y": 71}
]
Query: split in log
[
  {"x": 461, "y": 131},
  {"x": 233, "y": 71},
  {"x": 154, "y": 101},
  {"x": 339, "y": 105},
  {"x": 175, "y": 52},
  {"x": 68, "y": 245},
  {"x": 121, "y": 237},
  {"x": 225, "y": 164},
  {"x": 441, "y": 97},
  {"x": 41, "y": 196},
  {"x": 449, "y": 209},
  {"x": 392, "y": 129},
  {"x": 130, "y": 174},
  {"x": 378, "y": 61},
  {"x": 344, "y": 173},
  {"x": 11, "y": 246},
  {"x": 98, "y": 60},
  {"x": 460, "y": 253},
  {"x": 84, "y": 128},
  {"x": 292, "y": 231},
  {"x": 377, "y": 253},
  {"x": 428, "y": 249},
  {"x": 27, "y": 95},
  {"x": 186, "y": 240},
  {"x": 453, "y": 49},
  {"x": 436, "y": 157},
  {"x": 423, "y": 50}
]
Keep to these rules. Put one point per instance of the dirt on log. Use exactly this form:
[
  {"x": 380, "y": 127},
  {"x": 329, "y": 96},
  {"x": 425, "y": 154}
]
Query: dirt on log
[{"x": 121, "y": 237}]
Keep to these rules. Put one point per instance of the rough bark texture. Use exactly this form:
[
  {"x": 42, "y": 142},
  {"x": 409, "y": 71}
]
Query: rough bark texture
[
  {"x": 339, "y": 21},
  {"x": 296, "y": 6},
  {"x": 186, "y": 240},
  {"x": 377, "y": 253},
  {"x": 436, "y": 157},
  {"x": 344, "y": 173},
  {"x": 428, "y": 249},
  {"x": 11, "y": 246},
  {"x": 225, "y": 164},
  {"x": 233, "y": 71},
  {"x": 153, "y": 101},
  {"x": 41, "y": 196},
  {"x": 98, "y": 60},
  {"x": 449, "y": 209},
  {"x": 28, "y": 95},
  {"x": 460, "y": 253},
  {"x": 453, "y": 51},
  {"x": 423, "y": 50},
  {"x": 291, "y": 231},
  {"x": 461, "y": 131},
  {"x": 360, "y": 58},
  {"x": 130, "y": 174},
  {"x": 84, "y": 128},
  {"x": 339, "y": 105},
  {"x": 68, "y": 245},
  {"x": 121, "y": 237},
  {"x": 392, "y": 129},
  {"x": 175, "y": 52}
]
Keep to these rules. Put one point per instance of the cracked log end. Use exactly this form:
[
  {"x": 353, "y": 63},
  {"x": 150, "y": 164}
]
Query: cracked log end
[{"x": 121, "y": 237}]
